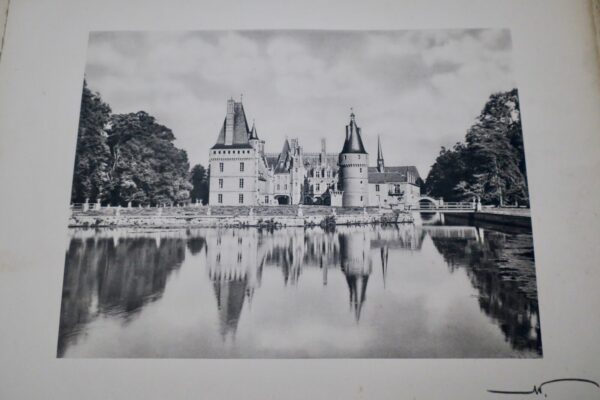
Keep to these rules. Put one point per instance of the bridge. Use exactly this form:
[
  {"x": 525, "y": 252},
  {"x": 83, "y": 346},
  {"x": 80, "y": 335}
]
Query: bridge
[{"x": 429, "y": 204}]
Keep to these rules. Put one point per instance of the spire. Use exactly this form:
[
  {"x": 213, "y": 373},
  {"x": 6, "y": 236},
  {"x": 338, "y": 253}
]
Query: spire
[
  {"x": 353, "y": 143},
  {"x": 380, "y": 164},
  {"x": 253, "y": 134}
]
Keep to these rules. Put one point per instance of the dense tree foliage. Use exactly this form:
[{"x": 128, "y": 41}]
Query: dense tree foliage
[
  {"x": 91, "y": 176},
  {"x": 126, "y": 158},
  {"x": 199, "y": 180},
  {"x": 491, "y": 162},
  {"x": 147, "y": 168}
]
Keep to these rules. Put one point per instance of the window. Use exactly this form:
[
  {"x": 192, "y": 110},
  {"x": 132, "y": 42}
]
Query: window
[
  {"x": 317, "y": 187},
  {"x": 285, "y": 186},
  {"x": 220, "y": 167},
  {"x": 377, "y": 188},
  {"x": 361, "y": 198},
  {"x": 278, "y": 186},
  {"x": 241, "y": 183},
  {"x": 241, "y": 199},
  {"x": 266, "y": 199},
  {"x": 318, "y": 174},
  {"x": 241, "y": 167},
  {"x": 220, "y": 183},
  {"x": 361, "y": 170},
  {"x": 220, "y": 199}
]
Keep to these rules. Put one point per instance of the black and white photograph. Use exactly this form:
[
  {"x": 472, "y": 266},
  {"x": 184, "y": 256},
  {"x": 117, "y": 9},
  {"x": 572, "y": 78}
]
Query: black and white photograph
[{"x": 300, "y": 194}]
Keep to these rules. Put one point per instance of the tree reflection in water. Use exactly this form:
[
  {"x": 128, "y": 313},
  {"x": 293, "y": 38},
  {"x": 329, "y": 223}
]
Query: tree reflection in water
[
  {"x": 500, "y": 267},
  {"x": 116, "y": 273},
  {"x": 113, "y": 276}
]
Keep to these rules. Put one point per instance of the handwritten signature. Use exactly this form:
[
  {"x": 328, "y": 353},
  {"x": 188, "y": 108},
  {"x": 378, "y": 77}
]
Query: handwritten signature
[{"x": 538, "y": 389}]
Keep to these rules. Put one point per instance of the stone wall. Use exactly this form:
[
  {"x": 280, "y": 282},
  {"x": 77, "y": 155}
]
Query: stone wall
[{"x": 233, "y": 216}]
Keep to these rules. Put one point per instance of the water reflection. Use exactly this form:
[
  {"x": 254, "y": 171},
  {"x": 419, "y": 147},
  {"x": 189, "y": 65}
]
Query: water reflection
[
  {"x": 499, "y": 267},
  {"x": 114, "y": 275},
  {"x": 108, "y": 275}
]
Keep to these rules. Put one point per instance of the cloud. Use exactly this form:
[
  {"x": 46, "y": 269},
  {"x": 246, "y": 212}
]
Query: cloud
[{"x": 419, "y": 89}]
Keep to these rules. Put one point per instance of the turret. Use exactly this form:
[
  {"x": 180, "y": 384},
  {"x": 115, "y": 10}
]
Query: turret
[
  {"x": 354, "y": 168},
  {"x": 253, "y": 137}
]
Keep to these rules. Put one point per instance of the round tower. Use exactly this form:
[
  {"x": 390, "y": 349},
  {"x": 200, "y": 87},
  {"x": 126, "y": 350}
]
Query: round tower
[{"x": 354, "y": 168}]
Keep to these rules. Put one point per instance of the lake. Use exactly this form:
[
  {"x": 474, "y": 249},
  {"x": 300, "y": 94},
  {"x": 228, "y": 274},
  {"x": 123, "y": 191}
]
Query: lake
[{"x": 405, "y": 291}]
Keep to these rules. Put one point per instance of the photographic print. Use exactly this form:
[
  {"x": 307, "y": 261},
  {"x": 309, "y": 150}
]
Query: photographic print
[{"x": 300, "y": 194}]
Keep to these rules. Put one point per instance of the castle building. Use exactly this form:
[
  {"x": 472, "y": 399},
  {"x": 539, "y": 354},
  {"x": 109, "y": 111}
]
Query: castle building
[
  {"x": 391, "y": 186},
  {"x": 354, "y": 168},
  {"x": 242, "y": 174},
  {"x": 234, "y": 162}
]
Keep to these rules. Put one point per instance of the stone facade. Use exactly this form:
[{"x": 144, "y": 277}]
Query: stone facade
[
  {"x": 393, "y": 186},
  {"x": 234, "y": 162},
  {"x": 354, "y": 168}
]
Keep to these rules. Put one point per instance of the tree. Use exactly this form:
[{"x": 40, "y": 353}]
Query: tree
[
  {"x": 491, "y": 164},
  {"x": 146, "y": 167},
  {"x": 91, "y": 173},
  {"x": 199, "y": 181},
  {"x": 448, "y": 170}
]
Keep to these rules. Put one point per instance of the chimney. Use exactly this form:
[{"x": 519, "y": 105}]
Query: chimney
[{"x": 229, "y": 122}]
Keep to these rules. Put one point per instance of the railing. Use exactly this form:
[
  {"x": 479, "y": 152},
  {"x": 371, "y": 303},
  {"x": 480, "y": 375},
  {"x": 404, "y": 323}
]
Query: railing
[
  {"x": 100, "y": 206},
  {"x": 446, "y": 206}
]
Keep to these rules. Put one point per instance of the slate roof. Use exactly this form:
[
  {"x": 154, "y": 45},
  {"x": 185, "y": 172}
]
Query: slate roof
[
  {"x": 353, "y": 142},
  {"x": 253, "y": 133},
  {"x": 311, "y": 160},
  {"x": 240, "y": 130},
  {"x": 284, "y": 160},
  {"x": 271, "y": 159},
  {"x": 393, "y": 174}
]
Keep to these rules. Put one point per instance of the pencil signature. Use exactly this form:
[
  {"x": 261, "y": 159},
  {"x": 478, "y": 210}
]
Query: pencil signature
[{"x": 538, "y": 389}]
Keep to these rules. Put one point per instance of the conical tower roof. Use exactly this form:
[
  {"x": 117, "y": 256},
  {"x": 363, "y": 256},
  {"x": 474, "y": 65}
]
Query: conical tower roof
[
  {"x": 353, "y": 143},
  {"x": 253, "y": 134}
]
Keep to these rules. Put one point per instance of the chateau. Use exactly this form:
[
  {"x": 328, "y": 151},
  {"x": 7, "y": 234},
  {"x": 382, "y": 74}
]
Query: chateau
[{"x": 242, "y": 173}]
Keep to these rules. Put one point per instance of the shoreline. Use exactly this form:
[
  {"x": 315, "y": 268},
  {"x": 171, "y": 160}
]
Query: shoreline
[
  {"x": 207, "y": 217},
  {"x": 276, "y": 216},
  {"x": 493, "y": 217}
]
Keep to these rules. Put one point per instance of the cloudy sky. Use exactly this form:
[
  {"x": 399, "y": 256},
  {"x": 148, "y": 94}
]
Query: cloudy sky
[{"x": 419, "y": 90}]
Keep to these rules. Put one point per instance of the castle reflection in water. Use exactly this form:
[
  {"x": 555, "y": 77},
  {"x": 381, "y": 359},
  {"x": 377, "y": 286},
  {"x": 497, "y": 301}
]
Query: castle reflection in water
[{"x": 116, "y": 273}]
